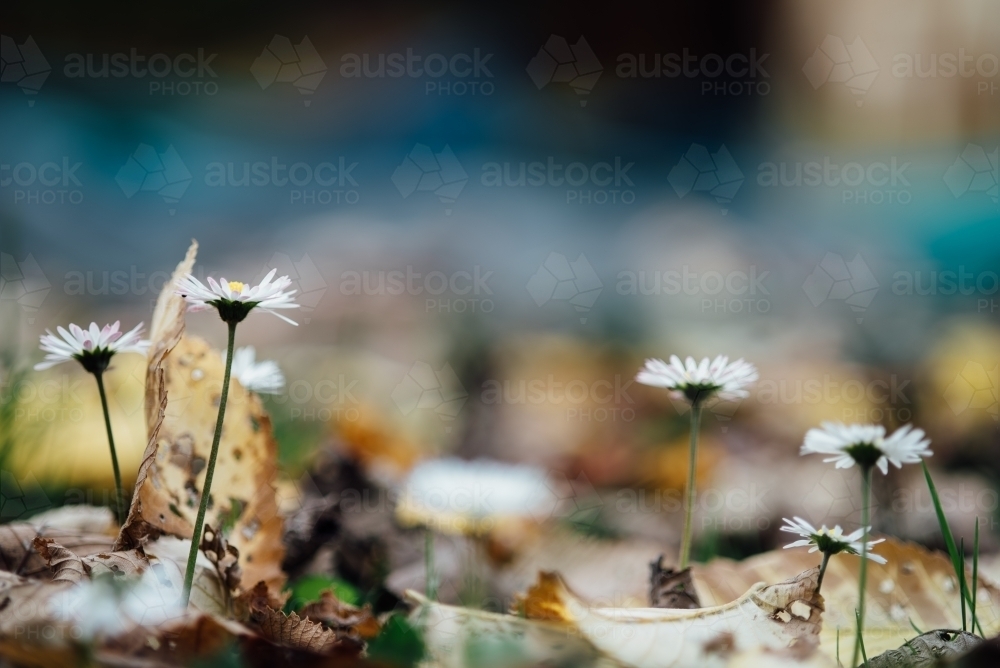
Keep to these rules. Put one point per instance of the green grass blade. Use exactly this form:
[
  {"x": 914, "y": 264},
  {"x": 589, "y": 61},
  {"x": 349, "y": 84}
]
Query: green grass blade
[
  {"x": 961, "y": 553},
  {"x": 949, "y": 540},
  {"x": 914, "y": 627},
  {"x": 975, "y": 577},
  {"x": 861, "y": 638}
]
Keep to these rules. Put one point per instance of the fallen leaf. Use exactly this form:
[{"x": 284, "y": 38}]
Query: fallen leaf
[
  {"x": 66, "y": 566},
  {"x": 183, "y": 390},
  {"x": 452, "y": 634},
  {"x": 18, "y": 555},
  {"x": 291, "y": 630},
  {"x": 342, "y": 617},
  {"x": 915, "y": 585},
  {"x": 782, "y": 618}
]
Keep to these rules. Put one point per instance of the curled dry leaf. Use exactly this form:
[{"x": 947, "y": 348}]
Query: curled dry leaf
[
  {"x": 343, "y": 618},
  {"x": 782, "y": 618},
  {"x": 915, "y": 585},
  {"x": 291, "y": 630},
  {"x": 66, "y": 566},
  {"x": 184, "y": 383}
]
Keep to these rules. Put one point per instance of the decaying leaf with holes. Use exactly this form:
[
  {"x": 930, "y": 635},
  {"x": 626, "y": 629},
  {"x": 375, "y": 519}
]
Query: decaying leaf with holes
[
  {"x": 185, "y": 382},
  {"x": 915, "y": 585}
]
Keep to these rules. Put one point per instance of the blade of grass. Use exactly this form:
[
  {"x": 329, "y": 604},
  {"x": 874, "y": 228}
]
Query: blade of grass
[
  {"x": 975, "y": 576},
  {"x": 838, "y": 648},
  {"x": 949, "y": 540},
  {"x": 961, "y": 552},
  {"x": 914, "y": 627},
  {"x": 861, "y": 638}
]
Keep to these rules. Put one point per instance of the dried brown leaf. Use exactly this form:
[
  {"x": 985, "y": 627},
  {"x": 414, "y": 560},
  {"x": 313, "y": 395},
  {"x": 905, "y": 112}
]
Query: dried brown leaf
[
  {"x": 291, "y": 630},
  {"x": 342, "y": 617}
]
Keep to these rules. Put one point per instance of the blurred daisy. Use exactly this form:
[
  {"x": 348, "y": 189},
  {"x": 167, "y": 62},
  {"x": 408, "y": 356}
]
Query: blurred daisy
[
  {"x": 866, "y": 445},
  {"x": 830, "y": 541},
  {"x": 93, "y": 347},
  {"x": 699, "y": 381},
  {"x": 235, "y": 300},
  {"x": 471, "y": 497},
  {"x": 263, "y": 377}
]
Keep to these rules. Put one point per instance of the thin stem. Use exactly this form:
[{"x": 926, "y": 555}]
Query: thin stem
[
  {"x": 866, "y": 502},
  {"x": 431, "y": 584},
  {"x": 822, "y": 571},
  {"x": 119, "y": 495},
  {"x": 691, "y": 495},
  {"x": 206, "y": 491}
]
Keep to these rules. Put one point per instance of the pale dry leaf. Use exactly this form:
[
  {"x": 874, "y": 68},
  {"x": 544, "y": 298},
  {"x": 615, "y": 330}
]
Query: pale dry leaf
[
  {"x": 451, "y": 634},
  {"x": 76, "y": 519},
  {"x": 183, "y": 391},
  {"x": 209, "y": 593},
  {"x": 782, "y": 618},
  {"x": 914, "y": 585}
]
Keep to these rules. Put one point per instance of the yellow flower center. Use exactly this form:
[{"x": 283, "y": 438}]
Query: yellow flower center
[{"x": 235, "y": 286}]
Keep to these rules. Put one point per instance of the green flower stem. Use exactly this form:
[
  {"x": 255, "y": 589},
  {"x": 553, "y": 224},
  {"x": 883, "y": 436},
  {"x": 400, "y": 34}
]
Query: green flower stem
[
  {"x": 866, "y": 502},
  {"x": 822, "y": 571},
  {"x": 206, "y": 491},
  {"x": 431, "y": 584},
  {"x": 119, "y": 494},
  {"x": 691, "y": 494}
]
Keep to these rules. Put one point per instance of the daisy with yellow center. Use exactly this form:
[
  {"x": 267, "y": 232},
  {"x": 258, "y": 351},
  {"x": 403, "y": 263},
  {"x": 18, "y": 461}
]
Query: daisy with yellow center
[{"x": 233, "y": 300}]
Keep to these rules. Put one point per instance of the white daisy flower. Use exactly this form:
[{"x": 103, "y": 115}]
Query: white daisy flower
[
  {"x": 699, "y": 381},
  {"x": 262, "y": 377},
  {"x": 93, "y": 347},
  {"x": 830, "y": 541},
  {"x": 468, "y": 497},
  {"x": 235, "y": 300},
  {"x": 866, "y": 445}
]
